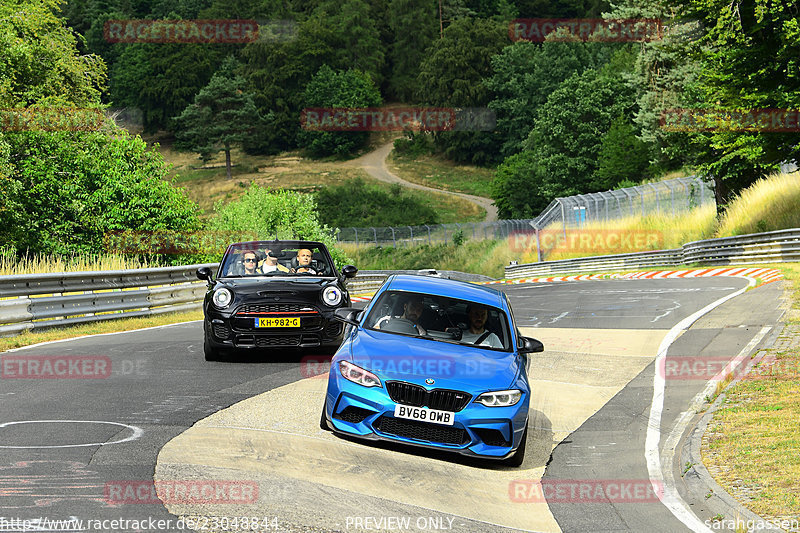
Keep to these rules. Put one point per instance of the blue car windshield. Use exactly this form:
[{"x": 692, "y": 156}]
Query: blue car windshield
[{"x": 440, "y": 318}]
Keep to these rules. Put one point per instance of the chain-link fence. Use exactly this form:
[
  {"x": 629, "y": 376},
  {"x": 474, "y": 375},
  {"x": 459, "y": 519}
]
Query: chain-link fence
[{"x": 668, "y": 197}]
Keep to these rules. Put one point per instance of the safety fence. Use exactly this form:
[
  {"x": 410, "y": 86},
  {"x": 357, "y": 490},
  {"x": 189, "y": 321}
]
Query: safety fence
[
  {"x": 40, "y": 301},
  {"x": 668, "y": 197},
  {"x": 769, "y": 247}
]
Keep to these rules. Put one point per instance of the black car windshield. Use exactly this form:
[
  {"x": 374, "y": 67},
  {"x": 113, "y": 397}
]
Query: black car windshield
[
  {"x": 275, "y": 258},
  {"x": 440, "y": 318}
]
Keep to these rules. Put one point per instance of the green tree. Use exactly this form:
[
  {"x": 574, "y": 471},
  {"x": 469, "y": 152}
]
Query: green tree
[
  {"x": 452, "y": 75},
  {"x": 348, "y": 89},
  {"x": 515, "y": 187},
  {"x": 39, "y": 60},
  {"x": 749, "y": 53},
  {"x": 622, "y": 156},
  {"x": 71, "y": 189},
  {"x": 414, "y": 28},
  {"x": 162, "y": 79},
  {"x": 222, "y": 115}
]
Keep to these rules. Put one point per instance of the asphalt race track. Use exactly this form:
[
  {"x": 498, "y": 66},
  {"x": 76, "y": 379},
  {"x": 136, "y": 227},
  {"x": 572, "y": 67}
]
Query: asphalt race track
[{"x": 599, "y": 447}]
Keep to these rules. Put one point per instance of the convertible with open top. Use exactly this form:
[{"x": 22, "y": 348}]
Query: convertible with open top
[{"x": 273, "y": 295}]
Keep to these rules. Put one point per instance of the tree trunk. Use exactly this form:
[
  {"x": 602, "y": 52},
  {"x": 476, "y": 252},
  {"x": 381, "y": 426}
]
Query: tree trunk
[{"x": 228, "y": 160}]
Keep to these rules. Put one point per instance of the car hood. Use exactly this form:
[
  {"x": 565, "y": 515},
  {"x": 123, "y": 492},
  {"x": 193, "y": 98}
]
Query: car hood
[
  {"x": 392, "y": 356},
  {"x": 276, "y": 284}
]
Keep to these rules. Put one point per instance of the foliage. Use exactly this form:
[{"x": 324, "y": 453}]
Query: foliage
[
  {"x": 357, "y": 204},
  {"x": 72, "y": 188},
  {"x": 38, "y": 60},
  {"x": 413, "y": 144},
  {"x": 515, "y": 187},
  {"x": 748, "y": 53},
  {"x": 622, "y": 156},
  {"x": 348, "y": 89},
  {"x": 268, "y": 214},
  {"x": 414, "y": 28},
  {"x": 162, "y": 79},
  {"x": 524, "y": 74},
  {"x": 452, "y": 75},
  {"x": 222, "y": 115}
]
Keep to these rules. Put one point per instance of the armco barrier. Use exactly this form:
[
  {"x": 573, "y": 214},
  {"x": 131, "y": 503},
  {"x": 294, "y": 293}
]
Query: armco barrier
[
  {"x": 770, "y": 247},
  {"x": 39, "y": 301}
]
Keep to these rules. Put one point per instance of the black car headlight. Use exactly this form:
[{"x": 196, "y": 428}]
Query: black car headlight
[
  {"x": 501, "y": 398},
  {"x": 222, "y": 298},
  {"x": 332, "y": 296}
]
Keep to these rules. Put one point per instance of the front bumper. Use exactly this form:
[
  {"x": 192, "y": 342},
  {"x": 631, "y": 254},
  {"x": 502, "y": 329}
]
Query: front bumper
[
  {"x": 477, "y": 430},
  {"x": 238, "y": 331}
]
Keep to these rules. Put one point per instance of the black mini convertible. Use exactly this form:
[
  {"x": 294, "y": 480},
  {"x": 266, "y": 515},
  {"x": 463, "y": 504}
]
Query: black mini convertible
[{"x": 273, "y": 295}]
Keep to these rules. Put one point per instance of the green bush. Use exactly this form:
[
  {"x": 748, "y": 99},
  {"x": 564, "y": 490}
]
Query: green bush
[
  {"x": 414, "y": 145},
  {"x": 357, "y": 204}
]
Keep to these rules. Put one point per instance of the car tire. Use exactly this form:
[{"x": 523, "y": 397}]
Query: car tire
[
  {"x": 519, "y": 456},
  {"x": 211, "y": 353},
  {"x": 323, "y": 422}
]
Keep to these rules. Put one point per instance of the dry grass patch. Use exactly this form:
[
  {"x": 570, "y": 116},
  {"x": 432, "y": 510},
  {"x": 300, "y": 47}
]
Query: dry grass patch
[
  {"x": 769, "y": 204},
  {"x": 439, "y": 173}
]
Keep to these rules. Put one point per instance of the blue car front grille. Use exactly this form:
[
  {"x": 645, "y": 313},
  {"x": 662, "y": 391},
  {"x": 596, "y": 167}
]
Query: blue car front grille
[
  {"x": 417, "y": 396},
  {"x": 411, "y": 429}
]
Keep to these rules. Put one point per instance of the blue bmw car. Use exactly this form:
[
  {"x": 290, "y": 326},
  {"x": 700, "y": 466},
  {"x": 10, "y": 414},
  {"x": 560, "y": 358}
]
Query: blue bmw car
[{"x": 436, "y": 363}]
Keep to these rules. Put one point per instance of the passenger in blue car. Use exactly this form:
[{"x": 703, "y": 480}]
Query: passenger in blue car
[{"x": 477, "y": 332}]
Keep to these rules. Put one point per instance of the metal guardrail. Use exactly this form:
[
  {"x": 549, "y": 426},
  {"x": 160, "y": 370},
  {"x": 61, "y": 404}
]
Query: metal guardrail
[
  {"x": 769, "y": 247},
  {"x": 40, "y": 301}
]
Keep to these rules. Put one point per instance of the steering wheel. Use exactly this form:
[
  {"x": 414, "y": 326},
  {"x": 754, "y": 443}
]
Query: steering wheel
[{"x": 400, "y": 325}]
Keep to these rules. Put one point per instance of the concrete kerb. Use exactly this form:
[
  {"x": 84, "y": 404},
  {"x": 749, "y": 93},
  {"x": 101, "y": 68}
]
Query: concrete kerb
[{"x": 698, "y": 481}]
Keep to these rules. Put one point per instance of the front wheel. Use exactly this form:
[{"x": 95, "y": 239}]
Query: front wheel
[
  {"x": 211, "y": 353},
  {"x": 519, "y": 455}
]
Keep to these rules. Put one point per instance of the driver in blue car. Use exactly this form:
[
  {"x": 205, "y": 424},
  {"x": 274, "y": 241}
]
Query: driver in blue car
[
  {"x": 476, "y": 332},
  {"x": 412, "y": 311}
]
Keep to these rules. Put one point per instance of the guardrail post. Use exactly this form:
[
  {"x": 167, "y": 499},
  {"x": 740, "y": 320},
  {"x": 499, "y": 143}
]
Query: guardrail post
[{"x": 429, "y": 233}]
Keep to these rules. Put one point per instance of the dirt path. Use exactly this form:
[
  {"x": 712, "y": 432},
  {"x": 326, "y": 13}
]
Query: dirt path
[{"x": 375, "y": 164}]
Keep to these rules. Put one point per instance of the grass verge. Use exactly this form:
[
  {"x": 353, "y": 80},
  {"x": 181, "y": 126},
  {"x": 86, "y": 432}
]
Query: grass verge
[
  {"x": 109, "y": 326},
  {"x": 752, "y": 445},
  {"x": 439, "y": 173}
]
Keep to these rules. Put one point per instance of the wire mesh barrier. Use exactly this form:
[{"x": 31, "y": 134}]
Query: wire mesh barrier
[{"x": 668, "y": 197}]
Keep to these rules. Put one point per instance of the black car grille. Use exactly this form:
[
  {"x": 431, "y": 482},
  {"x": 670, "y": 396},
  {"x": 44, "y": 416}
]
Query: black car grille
[
  {"x": 274, "y": 308},
  {"x": 333, "y": 329},
  {"x": 221, "y": 331},
  {"x": 416, "y": 395},
  {"x": 353, "y": 414},
  {"x": 411, "y": 429},
  {"x": 278, "y": 340}
]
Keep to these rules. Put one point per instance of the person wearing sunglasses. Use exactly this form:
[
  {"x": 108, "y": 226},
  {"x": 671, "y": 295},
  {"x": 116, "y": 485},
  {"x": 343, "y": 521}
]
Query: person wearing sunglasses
[{"x": 250, "y": 263}]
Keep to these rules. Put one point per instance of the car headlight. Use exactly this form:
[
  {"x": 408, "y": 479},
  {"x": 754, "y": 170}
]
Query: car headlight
[
  {"x": 356, "y": 374},
  {"x": 502, "y": 398},
  {"x": 332, "y": 296},
  {"x": 222, "y": 298}
]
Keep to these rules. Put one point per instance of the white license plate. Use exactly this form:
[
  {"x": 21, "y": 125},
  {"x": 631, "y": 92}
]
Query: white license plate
[{"x": 424, "y": 415}]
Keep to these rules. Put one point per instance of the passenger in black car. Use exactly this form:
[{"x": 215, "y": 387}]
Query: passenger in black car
[{"x": 250, "y": 262}]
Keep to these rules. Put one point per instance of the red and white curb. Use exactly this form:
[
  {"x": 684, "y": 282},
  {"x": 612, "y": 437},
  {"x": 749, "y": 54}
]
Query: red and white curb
[{"x": 761, "y": 275}]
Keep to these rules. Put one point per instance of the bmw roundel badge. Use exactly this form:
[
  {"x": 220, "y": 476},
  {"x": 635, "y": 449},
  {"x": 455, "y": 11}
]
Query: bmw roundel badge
[{"x": 429, "y": 381}]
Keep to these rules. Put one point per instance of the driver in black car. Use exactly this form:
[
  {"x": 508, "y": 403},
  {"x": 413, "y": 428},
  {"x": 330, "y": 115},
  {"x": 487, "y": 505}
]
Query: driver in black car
[{"x": 304, "y": 265}]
